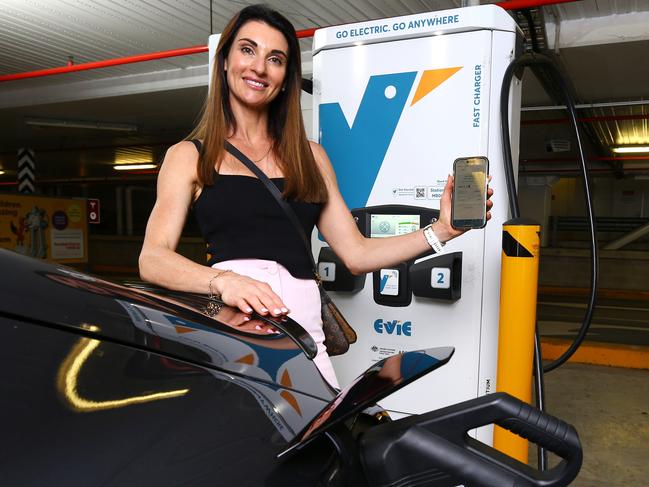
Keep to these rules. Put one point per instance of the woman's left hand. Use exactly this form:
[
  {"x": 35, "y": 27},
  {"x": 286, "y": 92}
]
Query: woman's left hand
[{"x": 442, "y": 227}]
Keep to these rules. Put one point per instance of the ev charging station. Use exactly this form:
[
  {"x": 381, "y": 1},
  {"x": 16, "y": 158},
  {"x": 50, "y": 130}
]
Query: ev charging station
[{"x": 395, "y": 102}]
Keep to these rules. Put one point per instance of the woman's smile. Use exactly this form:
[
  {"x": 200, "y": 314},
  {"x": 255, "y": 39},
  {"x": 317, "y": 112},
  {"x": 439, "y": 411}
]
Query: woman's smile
[{"x": 255, "y": 83}]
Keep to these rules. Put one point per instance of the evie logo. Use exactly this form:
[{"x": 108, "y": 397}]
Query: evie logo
[
  {"x": 357, "y": 149},
  {"x": 394, "y": 327}
]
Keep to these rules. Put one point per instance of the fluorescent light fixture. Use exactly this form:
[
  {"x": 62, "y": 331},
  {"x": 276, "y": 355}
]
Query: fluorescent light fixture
[
  {"x": 138, "y": 155},
  {"x": 1, "y": 171},
  {"x": 133, "y": 167},
  {"x": 81, "y": 124},
  {"x": 631, "y": 149}
]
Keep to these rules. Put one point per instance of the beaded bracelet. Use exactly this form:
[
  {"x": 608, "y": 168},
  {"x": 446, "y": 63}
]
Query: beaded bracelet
[{"x": 213, "y": 304}]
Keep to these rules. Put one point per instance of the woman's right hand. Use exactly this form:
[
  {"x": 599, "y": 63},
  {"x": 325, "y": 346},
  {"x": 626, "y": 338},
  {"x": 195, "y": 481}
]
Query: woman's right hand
[{"x": 248, "y": 294}]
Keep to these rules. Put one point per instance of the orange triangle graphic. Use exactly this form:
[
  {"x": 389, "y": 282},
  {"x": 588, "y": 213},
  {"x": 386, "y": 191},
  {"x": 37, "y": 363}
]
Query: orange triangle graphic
[
  {"x": 183, "y": 329},
  {"x": 290, "y": 398},
  {"x": 246, "y": 359},
  {"x": 286, "y": 379},
  {"x": 430, "y": 80}
]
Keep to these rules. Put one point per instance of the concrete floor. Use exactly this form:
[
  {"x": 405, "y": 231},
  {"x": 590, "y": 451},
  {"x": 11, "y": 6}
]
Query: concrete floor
[{"x": 609, "y": 407}]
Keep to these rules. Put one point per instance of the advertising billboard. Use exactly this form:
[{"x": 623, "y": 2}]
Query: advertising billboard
[{"x": 54, "y": 229}]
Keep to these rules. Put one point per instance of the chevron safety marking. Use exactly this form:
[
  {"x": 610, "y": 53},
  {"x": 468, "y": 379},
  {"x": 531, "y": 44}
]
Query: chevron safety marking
[
  {"x": 519, "y": 241},
  {"x": 513, "y": 248},
  {"x": 26, "y": 171}
]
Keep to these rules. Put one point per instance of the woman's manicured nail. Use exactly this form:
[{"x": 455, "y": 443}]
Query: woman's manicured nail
[
  {"x": 248, "y": 310},
  {"x": 257, "y": 327},
  {"x": 264, "y": 310},
  {"x": 276, "y": 311},
  {"x": 284, "y": 310}
]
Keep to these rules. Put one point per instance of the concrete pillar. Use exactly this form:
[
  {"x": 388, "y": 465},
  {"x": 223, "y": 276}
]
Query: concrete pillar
[
  {"x": 535, "y": 199},
  {"x": 119, "y": 210}
]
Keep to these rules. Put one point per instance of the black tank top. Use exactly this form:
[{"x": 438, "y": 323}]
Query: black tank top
[{"x": 240, "y": 219}]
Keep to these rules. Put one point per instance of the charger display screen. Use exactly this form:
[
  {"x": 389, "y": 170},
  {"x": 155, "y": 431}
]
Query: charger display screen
[{"x": 392, "y": 225}]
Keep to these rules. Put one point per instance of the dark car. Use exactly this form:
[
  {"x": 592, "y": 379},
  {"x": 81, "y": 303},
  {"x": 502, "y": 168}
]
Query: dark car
[{"x": 104, "y": 384}]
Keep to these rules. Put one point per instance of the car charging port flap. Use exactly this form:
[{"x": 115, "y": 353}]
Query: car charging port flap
[
  {"x": 435, "y": 449},
  {"x": 379, "y": 381}
]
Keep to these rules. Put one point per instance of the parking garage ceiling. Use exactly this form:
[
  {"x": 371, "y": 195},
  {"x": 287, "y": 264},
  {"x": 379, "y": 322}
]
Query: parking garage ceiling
[{"x": 601, "y": 45}]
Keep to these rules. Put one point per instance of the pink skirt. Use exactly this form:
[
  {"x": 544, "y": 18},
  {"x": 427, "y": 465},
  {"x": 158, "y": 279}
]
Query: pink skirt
[{"x": 301, "y": 296}]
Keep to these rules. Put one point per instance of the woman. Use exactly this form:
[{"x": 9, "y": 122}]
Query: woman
[{"x": 258, "y": 262}]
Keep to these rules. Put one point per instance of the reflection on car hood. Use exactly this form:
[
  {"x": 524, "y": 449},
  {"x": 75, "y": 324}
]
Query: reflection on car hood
[
  {"x": 172, "y": 324},
  {"x": 274, "y": 368},
  {"x": 377, "y": 382}
]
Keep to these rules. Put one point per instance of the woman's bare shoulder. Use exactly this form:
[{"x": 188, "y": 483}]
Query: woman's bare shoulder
[
  {"x": 316, "y": 148},
  {"x": 183, "y": 150},
  {"x": 181, "y": 161},
  {"x": 320, "y": 156}
]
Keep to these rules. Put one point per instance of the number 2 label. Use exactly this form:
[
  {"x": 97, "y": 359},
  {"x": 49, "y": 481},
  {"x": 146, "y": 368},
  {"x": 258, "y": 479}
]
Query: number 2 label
[{"x": 440, "y": 277}]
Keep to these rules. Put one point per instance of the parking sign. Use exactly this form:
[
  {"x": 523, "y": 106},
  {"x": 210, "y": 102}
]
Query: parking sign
[{"x": 93, "y": 210}]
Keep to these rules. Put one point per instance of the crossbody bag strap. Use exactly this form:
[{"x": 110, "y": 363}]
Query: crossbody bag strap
[{"x": 274, "y": 190}]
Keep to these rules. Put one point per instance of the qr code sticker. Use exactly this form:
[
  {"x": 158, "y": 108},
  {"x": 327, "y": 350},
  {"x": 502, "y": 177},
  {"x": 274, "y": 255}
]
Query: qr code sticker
[{"x": 420, "y": 193}]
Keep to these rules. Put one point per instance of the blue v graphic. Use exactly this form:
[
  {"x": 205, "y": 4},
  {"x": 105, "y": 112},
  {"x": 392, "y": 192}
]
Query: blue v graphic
[
  {"x": 358, "y": 152},
  {"x": 384, "y": 281}
]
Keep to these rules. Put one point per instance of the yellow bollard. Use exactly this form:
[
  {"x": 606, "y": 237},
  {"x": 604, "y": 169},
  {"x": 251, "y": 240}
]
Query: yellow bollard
[{"x": 518, "y": 288}]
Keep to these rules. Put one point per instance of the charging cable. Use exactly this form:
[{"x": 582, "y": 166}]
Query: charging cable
[{"x": 531, "y": 59}]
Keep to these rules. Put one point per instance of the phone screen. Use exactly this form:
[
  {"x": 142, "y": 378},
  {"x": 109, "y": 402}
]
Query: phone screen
[{"x": 470, "y": 192}]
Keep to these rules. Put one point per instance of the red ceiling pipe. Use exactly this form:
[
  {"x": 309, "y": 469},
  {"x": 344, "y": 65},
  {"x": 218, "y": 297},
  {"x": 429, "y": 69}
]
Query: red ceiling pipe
[
  {"x": 105, "y": 64},
  {"x": 508, "y": 5},
  {"x": 72, "y": 68},
  {"x": 604, "y": 118},
  {"x": 303, "y": 34},
  {"x": 620, "y": 158},
  {"x": 96, "y": 147},
  {"x": 519, "y": 4},
  {"x": 576, "y": 171},
  {"x": 558, "y": 160}
]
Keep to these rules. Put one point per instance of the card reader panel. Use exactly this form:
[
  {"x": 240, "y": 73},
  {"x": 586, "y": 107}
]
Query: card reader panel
[
  {"x": 335, "y": 275},
  {"x": 439, "y": 277},
  {"x": 392, "y": 286}
]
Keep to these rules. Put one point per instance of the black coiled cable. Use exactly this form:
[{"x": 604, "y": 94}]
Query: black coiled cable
[{"x": 517, "y": 64}]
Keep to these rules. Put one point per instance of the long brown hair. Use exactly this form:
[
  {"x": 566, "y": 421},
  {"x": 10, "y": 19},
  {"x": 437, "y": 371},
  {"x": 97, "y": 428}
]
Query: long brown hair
[{"x": 303, "y": 180}]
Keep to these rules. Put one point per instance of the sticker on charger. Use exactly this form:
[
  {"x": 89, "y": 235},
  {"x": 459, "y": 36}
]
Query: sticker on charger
[
  {"x": 389, "y": 283},
  {"x": 379, "y": 352}
]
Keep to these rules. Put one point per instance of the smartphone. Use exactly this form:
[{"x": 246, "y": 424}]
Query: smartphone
[{"x": 469, "y": 209}]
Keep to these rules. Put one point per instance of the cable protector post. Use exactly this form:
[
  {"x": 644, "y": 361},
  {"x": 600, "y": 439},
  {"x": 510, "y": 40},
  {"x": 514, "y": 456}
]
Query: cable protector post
[{"x": 518, "y": 289}]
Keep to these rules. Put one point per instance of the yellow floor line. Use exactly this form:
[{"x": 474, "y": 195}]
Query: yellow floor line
[{"x": 613, "y": 355}]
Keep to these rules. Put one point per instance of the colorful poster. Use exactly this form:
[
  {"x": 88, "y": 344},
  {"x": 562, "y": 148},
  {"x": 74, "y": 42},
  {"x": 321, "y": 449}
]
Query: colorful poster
[{"x": 53, "y": 229}]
